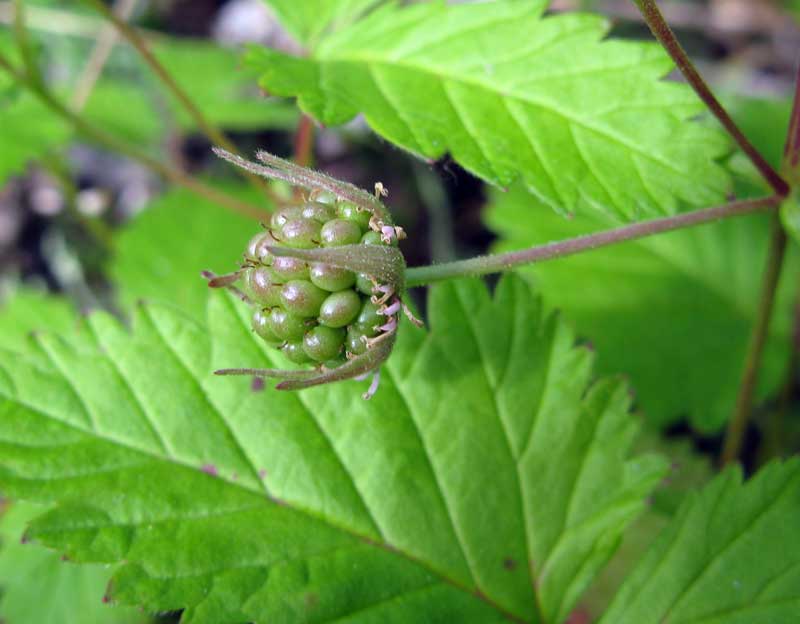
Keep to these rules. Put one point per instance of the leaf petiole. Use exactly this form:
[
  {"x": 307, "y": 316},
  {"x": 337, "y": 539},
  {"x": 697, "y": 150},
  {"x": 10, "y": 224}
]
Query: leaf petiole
[{"x": 482, "y": 265}]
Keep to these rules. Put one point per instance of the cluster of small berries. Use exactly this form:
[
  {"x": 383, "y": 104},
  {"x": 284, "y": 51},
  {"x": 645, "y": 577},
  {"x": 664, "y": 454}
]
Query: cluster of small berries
[{"x": 315, "y": 312}]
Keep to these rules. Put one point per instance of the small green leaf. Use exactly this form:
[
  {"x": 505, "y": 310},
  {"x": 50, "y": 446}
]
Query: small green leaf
[
  {"x": 585, "y": 121},
  {"x": 161, "y": 253},
  {"x": 37, "y": 587},
  {"x": 673, "y": 311},
  {"x": 730, "y": 556},
  {"x": 488, "y": 479}
]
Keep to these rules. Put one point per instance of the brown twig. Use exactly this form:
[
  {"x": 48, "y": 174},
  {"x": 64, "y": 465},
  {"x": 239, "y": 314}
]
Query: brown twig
[
  {"x": 304, "y": 142},
  {"x": 737, "y": 427},
  {"x": 662, "y": 32},
  {"x": 790, "y": 166}
]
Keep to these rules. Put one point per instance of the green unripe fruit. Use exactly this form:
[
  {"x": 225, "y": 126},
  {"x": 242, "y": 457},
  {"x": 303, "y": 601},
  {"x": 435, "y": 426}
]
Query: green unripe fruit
[
  {"x": 372, "y": 238},
  {"x": 369, "y": 318},
  {"x": 262, "y": 288},
  {"x": 340, "y": 308},
  {"x": 302, "y": 298},
  {"x": 300, "y": 233},
  {"x": 286, "y": 326},
  {"x": 364, "y": 284},
  {"x": 284, "y": 268},
  {"x": 335, "y": 363},
  {"x": 295, "y": 352},
  {"x": 319, "y": 212},
  {"x": 354, "y": 342},
  {"x": 257, "y": 248},
  {"x": 323, "y": 343},
  {"x": 331, "y": 278},
  {"x": 351, "y": 212},
  {"x": 340, "y": 232},
  {"x": 261, "y": 326},
  {"x": 280, "y": 217},
  {"x": 324, "y": 197}
]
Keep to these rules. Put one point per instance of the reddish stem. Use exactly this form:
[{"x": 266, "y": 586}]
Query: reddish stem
[
  {"x": 662, "y": 32},
  {"x": 304, "y": 142},
  {"x": 483, "y": 265}
]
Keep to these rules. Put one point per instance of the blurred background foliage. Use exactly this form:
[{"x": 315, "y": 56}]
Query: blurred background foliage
[{"x": 88, "y": 224}]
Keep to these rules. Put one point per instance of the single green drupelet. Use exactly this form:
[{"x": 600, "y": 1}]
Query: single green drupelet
[{"x": 312, "y": 312}]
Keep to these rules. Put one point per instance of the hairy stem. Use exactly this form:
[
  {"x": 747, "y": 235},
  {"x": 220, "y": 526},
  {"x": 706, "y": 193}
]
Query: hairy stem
[
  {"x": 737, "y": 427},
  {"x": 661, "y": 30},
  {"x": 482, "y": 265},
  {"x": 214, "y": 134},
  {"x": 110, "y": 141}
]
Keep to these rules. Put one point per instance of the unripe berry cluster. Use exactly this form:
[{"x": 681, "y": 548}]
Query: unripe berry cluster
[
  {"x": 325, "y": 278},
  {"x": 312, "y": 311}
]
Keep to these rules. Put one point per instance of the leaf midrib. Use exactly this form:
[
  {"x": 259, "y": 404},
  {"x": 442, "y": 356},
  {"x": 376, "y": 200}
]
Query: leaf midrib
[{"x": 514, "y": 460}]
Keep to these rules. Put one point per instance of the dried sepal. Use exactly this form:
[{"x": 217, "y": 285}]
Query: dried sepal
[
  {"x": 280, "y": 169},
  {"x": 385, "y": 264}
]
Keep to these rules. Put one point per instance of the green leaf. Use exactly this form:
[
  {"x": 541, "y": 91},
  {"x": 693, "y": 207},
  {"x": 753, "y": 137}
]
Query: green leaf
[
  {"x": 27, "y": 310},
  {"x": 38, "y": 587},
  {"x": 585, "y": 122},
  {"x": 27, "y": 132},
  {"x": 730, "y": 556},
  {"x": 223, "y": 92},
  {"x": 307, "y": 20},
  {"x": 161, "y": 253},
  {"x": 689, "y": 471},
  {"x": 673, "y": 311},
  {"x": 488, "y": 479}
]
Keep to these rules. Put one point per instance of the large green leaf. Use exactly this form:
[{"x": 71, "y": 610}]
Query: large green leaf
[
  {"x": 731, "y": 556},
  {"x": 585, "y": 122},
  {"x": 488, "y": 479},
  {"x": 161, "y": 253},
  {"x": 37, "y": 587},
  {"x": 308, "y": 19},
  {"x": 673, "y": 311}
]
